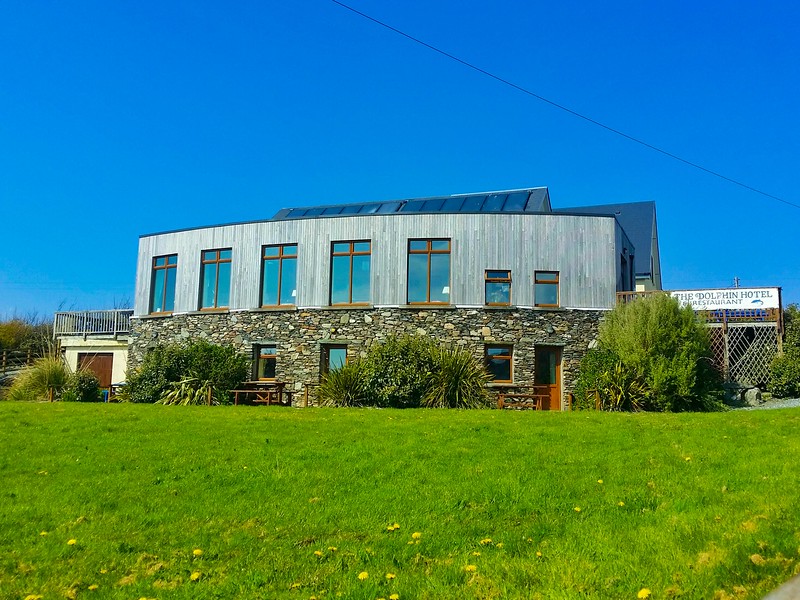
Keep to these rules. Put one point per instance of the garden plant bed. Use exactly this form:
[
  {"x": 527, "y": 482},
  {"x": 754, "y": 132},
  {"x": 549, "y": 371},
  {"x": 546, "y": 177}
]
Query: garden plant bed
[{"x": 241, "y": 502}]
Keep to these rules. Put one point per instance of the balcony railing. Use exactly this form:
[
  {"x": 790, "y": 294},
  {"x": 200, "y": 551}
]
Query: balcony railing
[{"x": 93, "y": 322}]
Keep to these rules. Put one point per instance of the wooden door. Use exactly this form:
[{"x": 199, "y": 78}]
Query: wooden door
[
  {"x": 548, "y": 373},
  {"x": 100, "y": 364}
]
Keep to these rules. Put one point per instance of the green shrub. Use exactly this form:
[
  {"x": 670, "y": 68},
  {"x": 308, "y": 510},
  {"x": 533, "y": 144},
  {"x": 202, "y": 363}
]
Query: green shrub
[
  {"x": 666, "y": 348},
  {"x": 456, "y": 380},
  {"x": 397, "y": 371},
  {"x": 82, "y": 386},
  {"x": 784, "y": 381},
  {"x": 44, "y": 380},
  {"x": 221, "y": 367},
  {"x": 188, "y": 392},
  {"x": 595, "y": 363},
  {"x": 345, "y": 386},
  {"x": 622, "y": 390}
]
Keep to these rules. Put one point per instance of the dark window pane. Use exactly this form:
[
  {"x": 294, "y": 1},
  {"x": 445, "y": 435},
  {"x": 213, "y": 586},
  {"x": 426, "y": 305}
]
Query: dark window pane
[
  {"x": 267, "y": 362},
  {"x": 209, "y": 285},
  {"x": 289, "y": 281},
  {"x": 224, "y": 285},
  {"x": 351, "y": 210},
  {"x": 500, "y": 369},
  {"x": 545, "y": 367},
  {"x": 160, "y": 261},
  {"x": 498, "y": 274},
  {"x": 389, "y": 207},
  {"x": 516, "y": 201},
  {"x": 413, "y": 206},
  {"x": 472, "y": 204},
  {"x": 157, "y": 302},
  {"x": 546, "y": 294},
  {"x": 498, "y": 293},
  {"x": 336, "y": 358},
  {"x": 546, "y": 276},
  {"x": 333, "y": 210},
  {"x": 418, "y": 278},
  {"x": 369, "y": 209},
  {"x": 494, "y": 203},
  {"x": 433, "y": 205},
  {"x": 169, "y": 293},
  {"x": 313, "y": 212},
  {"x": 340, "y": 280},
  {"x": 361, "y": 278},
  {"x": 453, "y": 204},
  {"x": 440, "y": 278},
  {"x": 269, "y": 293}
]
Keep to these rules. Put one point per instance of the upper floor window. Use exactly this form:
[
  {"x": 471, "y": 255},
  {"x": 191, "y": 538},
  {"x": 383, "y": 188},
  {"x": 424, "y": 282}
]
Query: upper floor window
[
  {"x": 162, "y": 288},
  {"x": 279, "y": 275},
  {"x": 215, "y": 278},
  {"x": 498, "y": 288},
  {"x": 350, "y": 272},
  {"x": 546, "y": 288},
  {"x": 429, "y": 271},
  {"x": 498, "y": 360}
]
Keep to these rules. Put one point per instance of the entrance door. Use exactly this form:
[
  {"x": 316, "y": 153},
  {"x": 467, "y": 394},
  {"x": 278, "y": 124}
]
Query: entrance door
[
  {"x": 100, "y": 364},
  {"x": 548, "y": 372}
]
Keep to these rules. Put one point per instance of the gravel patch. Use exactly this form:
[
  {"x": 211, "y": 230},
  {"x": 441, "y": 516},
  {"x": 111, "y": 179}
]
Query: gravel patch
[{"x": 778, "y": 403}]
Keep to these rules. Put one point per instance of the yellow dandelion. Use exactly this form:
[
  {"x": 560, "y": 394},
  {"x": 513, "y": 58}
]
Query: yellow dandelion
[
  {"x": 317, "y": 552},
  {"x": 197, "y": 552},
  {"x": 486, "y": 541},
  {"x": 476, "y": 554},
  {"x": 363, "y": 575},
  {"x": 93, "y": 587},
  {"x": 33, "y": 597},
  {"x": 42, "y": 533},
  {"x": 499, "y": 545},
  {"x": 600, "y": 481},
  {"x": 104, "y": 571},
  {"x": 295, "y": 585},
  {"x": 390, "y": 576},
  {"x": 688, "y": 458},
  {"x": 538, "y": 554},
  {"x": 643, "y": 593},
  {"x": 620, "y": 503},
  {"x": 577, "y": 509},
  {"x": 195, "y": 576},
  {"x": 410, "y": 542},
  {"x": 72, "y": 542},
  {"x": 332, "y": 548},
  {"x": 470, "y": 568},
  {"x": 416, "y": 535},
  {"x": 394, "y": 597}
]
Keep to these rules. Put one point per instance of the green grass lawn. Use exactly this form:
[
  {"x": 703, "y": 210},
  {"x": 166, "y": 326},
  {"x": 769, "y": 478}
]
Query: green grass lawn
[{"x": 297, "y": 503}]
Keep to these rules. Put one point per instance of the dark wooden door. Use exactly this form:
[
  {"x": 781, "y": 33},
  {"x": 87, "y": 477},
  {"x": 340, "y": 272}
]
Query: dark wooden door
[
  {"x": 548, "y": 373},
  {"x": 100, "y": 364}
]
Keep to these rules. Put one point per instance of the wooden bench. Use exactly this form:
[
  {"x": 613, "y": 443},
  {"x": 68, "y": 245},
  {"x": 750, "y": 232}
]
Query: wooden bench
[
  {"x": 530, "y": 397},
  {"x": 263, "y": 392}
]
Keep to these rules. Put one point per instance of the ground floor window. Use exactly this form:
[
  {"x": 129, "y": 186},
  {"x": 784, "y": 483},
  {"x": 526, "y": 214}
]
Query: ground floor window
[
  {"x": 266, "y": 359},
  {"x": 498, "y": 360},
  {"x": 334, "y": 356}
]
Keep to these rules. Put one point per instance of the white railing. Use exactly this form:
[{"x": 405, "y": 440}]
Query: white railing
[{"x": 93, "y": 322}]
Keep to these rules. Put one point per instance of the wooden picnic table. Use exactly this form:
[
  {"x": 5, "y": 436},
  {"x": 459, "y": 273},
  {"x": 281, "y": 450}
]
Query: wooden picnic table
[
  {"x": 264, "y": 392},
  {"x": 524, "y": 396}
]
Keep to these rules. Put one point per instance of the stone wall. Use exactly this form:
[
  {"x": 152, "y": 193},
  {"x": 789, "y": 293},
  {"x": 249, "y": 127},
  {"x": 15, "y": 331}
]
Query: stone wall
[{"x": 300, "y": 334}]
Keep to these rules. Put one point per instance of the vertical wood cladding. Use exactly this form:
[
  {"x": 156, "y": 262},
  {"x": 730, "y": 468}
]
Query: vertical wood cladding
[{"x": 583, "y": 249}]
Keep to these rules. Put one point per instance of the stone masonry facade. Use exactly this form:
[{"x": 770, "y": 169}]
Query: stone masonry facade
[{"x": 301, "y": 334}]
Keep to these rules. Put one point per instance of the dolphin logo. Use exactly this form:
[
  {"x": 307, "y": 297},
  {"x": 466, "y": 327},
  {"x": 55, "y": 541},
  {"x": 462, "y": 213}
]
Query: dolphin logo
[{"x": 757, "y": 302}]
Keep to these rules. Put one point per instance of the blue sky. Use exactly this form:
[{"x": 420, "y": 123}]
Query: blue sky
[{"x": 119, "y": 119}]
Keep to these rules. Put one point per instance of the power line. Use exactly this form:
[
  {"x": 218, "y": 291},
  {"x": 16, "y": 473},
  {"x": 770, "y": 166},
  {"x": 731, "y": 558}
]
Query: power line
[{"x": 564, "y": 108}]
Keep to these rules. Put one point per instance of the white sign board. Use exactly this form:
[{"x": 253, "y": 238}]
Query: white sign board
[{"x": 732, "y": 298}]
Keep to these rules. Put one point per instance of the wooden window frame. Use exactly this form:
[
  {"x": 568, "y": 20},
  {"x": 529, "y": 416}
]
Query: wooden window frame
[
  {"x": 351, "y": 252},
  {"x": 429, "y": 251},
  {"x": 555, "y": 282},
  {"x": 280, "y": 258},
  {"x": 490, "y": 280},
  {"x": 216, "y": 261},
  {"x": 166, "y": 268},
  {"x": 509, "y": 356},
  {"x": 326, "y": 348},
  {"x": 257, "y": 355}
]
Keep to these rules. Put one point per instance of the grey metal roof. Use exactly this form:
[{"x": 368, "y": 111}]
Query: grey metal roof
[
  {"x": 521, "y": 200},
  {"x": 638, "y": 219}
]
